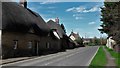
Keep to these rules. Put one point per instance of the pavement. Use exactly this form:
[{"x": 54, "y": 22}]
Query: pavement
[
  {"x": 12, "y": 60},
  {"x": 110, "y": 59},
  {"x": 75, "y": 57}
]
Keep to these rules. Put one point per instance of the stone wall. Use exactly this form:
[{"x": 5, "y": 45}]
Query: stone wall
[{"x": 45, "y": 44}]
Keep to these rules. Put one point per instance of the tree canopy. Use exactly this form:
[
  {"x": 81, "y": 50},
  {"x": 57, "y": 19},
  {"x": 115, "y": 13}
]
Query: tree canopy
[{"x": 111, "y": 20}]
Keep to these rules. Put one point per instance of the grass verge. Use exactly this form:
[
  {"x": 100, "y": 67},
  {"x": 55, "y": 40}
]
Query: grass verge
[
  {"x": 99, "y": 60},
  {"x": 115, "y": 55}
]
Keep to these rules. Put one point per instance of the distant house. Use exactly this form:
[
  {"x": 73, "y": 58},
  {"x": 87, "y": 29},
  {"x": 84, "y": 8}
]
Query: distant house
[
  {"x": 86, "y": 40},
  {"x": 110, "y": 43},
  {"x": 25, "y": 33},
  {"x": 76, "y": 38}
]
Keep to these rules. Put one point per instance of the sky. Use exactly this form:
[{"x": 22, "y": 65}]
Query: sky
[{"x": 79, "y": 17}]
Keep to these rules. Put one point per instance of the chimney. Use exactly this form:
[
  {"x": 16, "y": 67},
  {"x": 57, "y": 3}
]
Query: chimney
[
  {"x": 57, "y": 20},
  {"x": 72, "y": 31},
  {"x": 23, "y": 3}
]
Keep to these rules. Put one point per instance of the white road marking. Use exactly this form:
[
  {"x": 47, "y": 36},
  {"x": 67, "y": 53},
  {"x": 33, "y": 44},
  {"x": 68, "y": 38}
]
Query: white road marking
[{"x": 89, "y": 62}]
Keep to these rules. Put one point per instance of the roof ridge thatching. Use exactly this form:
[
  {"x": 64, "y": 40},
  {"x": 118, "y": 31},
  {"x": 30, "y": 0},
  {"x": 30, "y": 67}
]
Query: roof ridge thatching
[
  {"x": 54, "y": 25},
  {"x": 18, "y": 18}
]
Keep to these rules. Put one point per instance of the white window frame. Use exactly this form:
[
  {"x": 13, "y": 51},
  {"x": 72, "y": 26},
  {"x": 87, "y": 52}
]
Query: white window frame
[{"x": 29, "y": 44}]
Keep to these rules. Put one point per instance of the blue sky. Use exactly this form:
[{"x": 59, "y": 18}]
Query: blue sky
[{"x": 81, "y": 17}]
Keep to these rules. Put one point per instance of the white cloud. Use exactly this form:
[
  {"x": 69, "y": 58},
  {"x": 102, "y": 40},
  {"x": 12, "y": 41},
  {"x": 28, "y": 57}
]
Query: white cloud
[
  {"x": 99, "y": 27},
  {"x": 70, "y": 9},
  {"x": 82, "y": 9},
  {"x": 74, "y": 15},
  {"x": 76, "y": 9},
  {"x": 51, "y": 7},
  {"x": 91, "y": 23},
  {"x": 93, "y": 9},
  {"x": 48, "y": 2},
  {"x": 77, "y": 18},
  {"x": 52, "y": 12}
]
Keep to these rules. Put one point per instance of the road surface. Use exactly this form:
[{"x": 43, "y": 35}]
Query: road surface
[{"x": 75, "y": 57}]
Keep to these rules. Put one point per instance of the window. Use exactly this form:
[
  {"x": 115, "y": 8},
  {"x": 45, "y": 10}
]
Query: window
[
  {"x": 30, "y": 44},
  {"x": 15, "y": 44},
  {"x": 56, "y": 34}
]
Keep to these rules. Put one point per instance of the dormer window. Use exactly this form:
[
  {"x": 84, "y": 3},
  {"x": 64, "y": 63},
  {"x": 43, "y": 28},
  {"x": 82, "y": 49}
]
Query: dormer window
[{"x": 56, "y": 34}]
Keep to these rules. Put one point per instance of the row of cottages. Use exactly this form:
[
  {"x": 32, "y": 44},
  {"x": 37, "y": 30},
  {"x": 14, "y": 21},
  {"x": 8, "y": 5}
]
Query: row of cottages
[
  {"x": 66, "y": 42},
  {"x": 86, "y": 41},
  {"x": 25, "y": 33}
]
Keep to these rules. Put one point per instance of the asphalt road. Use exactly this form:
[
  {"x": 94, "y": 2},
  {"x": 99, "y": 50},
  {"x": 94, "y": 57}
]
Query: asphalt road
[{"x": 75, "y": 57}]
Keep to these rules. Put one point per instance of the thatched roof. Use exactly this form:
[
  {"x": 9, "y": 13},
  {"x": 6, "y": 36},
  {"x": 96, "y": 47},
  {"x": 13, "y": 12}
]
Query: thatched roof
[
  {"x": 54, "y": 25},
  {"x": 18, "y": 18},
  {"x": 76, "y": 35}
]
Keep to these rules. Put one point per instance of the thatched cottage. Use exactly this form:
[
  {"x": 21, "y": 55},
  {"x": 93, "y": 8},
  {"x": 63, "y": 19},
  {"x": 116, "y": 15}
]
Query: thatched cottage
[{"x": 25, "y": 33}]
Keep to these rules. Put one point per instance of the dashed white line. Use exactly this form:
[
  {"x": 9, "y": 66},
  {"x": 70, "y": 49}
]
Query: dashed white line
[{"x": 89, "y": 62}]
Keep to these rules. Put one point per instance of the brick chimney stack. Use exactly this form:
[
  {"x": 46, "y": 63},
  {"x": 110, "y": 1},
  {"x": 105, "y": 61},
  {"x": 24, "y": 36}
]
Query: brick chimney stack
[
  {"x": 23, "y": 3},
  {"x": 57, "y": 20}
]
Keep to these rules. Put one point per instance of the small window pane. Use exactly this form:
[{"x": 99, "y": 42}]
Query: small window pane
[
  {"x": 15, "y": 44},
  {"x": 29, "y": 45}
]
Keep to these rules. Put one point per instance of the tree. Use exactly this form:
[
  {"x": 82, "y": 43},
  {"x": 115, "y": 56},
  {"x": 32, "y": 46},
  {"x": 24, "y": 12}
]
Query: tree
[
  {"x": 80, "y": 41},
  {"x": 96, "y": 41},
  {"x": 111, "y": 22}
]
